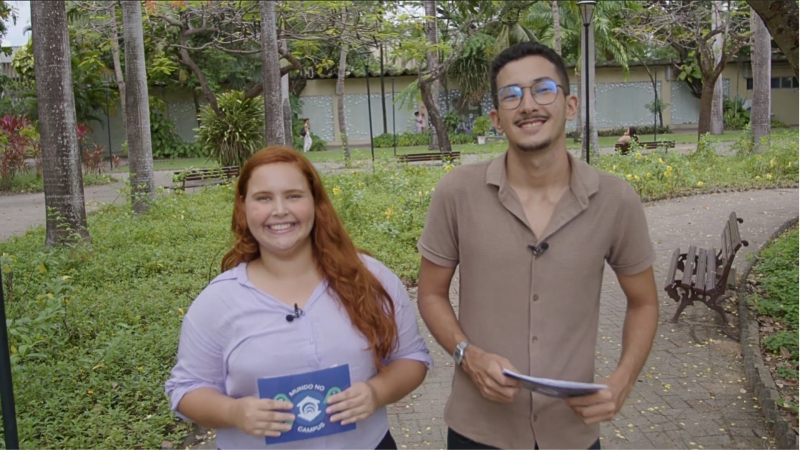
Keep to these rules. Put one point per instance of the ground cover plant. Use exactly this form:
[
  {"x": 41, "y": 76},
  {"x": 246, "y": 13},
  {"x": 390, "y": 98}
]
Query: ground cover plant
[
  {"x": 94, "y": 330},
  {"x": 774, "y": 282},
  {"x": 27, "y": 182}
]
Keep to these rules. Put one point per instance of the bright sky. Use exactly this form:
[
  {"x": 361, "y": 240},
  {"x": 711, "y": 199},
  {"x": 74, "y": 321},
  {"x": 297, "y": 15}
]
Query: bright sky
[{"x": 15, "y": 37}]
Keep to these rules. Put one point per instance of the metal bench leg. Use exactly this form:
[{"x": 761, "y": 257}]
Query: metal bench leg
[
  {"x": 685, "y": 301},
  {"x": 716, "y": 305}
]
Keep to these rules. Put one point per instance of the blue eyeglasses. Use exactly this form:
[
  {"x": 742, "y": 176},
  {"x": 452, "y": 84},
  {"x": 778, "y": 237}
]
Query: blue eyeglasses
[{"x": 543, "y": 93}]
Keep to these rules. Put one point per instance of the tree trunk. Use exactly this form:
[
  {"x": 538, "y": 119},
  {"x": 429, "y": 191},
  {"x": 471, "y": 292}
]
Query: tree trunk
[
  {"x": 436, "y": 117},
  {"x": 271, "y": 70},
  {"x": 433, "y": 62},
  {"x": 707, "y": 97},
  {"x": 717, "y": 122},
  {"x": 140, "y": 148},
  {"x": 115, "y": 56},
  {"x": 556, "y": 27},
  {"x": 340, "y": 101},
  {"x": 781, "y": 19},
  {"x": 288, "y": 135},
  {"x": 63, "y": 180},
  {"x": 760, "y": 121}
]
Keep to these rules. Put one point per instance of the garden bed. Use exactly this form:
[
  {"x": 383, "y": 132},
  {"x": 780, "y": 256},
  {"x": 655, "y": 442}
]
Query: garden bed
[{"x": 772, "y": 293}]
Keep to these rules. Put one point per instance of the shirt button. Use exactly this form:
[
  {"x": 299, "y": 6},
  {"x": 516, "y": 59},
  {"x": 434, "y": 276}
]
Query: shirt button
[
  {"x": 535, "y": 297},
  {"x": 534, "y": 339}
]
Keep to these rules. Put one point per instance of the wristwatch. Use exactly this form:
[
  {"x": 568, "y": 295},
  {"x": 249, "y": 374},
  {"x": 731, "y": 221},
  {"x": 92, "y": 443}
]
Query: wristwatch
[{"x": 460, "y": 351}]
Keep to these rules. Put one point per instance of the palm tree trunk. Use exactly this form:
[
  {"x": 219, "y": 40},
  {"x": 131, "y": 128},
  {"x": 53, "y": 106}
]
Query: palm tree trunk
[
  {"x": 556, "y": 27},
  {"x": 271, "y": 69},
  {"x": 63, "y": 179},
  {"x": 137, "y": 102},
  {"x": 288, "y": 137},
  {"x": 115, "y": 56},
  {"x": 433, "y": 61},
  {"x": 340, "y": 93},
  {"x": 717, "y": 122},
  {"x": 760, "y": 121}
]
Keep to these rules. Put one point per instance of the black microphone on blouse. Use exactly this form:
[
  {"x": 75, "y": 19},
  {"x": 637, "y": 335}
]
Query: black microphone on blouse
[
  {"x": 296, "y": 315},
  {"x": 539, "y": 251}
]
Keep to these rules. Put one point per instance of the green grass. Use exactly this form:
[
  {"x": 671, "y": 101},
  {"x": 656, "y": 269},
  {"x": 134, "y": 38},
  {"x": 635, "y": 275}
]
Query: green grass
[
  {"x": 94, "y": 330},
  {"x": 28, "y": 182}
]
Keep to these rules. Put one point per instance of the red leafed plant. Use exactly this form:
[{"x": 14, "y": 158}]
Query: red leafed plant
[
  {"x": 12, "y": 148},
  {"x": 93, "y": 159}
]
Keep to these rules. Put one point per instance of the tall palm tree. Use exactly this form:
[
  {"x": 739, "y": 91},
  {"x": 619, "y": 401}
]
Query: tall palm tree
[
  {"x": 761, "y": 62},
  {"x": 137, "y": 105},
  {"x": 61, "y": 159},
  {"x": 271, "y": 68}
]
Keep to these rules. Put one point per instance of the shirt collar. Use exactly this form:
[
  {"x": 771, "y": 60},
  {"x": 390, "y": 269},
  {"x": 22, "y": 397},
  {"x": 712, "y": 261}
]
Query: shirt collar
[{"x": 584, "y": 180}]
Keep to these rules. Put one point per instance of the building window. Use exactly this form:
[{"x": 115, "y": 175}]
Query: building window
[{"x": 776, "y": 83}]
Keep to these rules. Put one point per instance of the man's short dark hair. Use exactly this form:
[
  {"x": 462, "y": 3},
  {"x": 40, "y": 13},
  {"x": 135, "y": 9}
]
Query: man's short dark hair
[{"x": 523, "y": 50}]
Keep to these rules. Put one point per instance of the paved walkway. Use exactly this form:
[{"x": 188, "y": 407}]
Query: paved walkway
[{"x": 692, "y": 392}]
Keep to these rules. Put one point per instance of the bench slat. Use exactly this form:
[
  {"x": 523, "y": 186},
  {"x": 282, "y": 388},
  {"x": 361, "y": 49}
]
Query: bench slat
[
  {"x": 689, "y": 266},
  {"x": 711, "y": 271},
  {"x": 725, "y": 247},
  {"x": 700, "y": 279},
  {"x": 673, "y": 267},
  {"x": 736, "y": 239}
]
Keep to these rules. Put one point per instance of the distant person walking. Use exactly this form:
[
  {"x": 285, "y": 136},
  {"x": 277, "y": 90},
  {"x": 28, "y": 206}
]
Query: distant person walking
[
  {"x": 306, "y": 132},
  {"x": 419, "y": 121},
  {"x": 625, "y": 141}
]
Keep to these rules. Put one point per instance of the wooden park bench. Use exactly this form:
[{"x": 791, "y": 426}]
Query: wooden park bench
[
  {"x": 649, "y": 145},
  {"x": 434, "y": 156},
  {"x": 704, "y": 272},
  {"x": 204, "y": 177}
]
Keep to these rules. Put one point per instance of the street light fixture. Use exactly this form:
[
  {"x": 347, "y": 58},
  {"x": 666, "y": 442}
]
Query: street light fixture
[
  {"x": 587, "y": 10},
  {"x": 365, "y": 55}
]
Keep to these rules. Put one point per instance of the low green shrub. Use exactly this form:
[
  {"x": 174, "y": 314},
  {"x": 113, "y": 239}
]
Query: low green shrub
[
  {"x": 409, "y": 139},
  {"x": 27, "y": 182}
]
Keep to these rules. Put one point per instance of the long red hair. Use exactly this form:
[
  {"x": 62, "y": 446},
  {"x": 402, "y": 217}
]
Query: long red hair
[{"x": 369, "y": 306}]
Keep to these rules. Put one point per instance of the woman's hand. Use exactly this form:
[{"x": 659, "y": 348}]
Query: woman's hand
[
  {"x": 262, "y": 417},
  {"x": 356, "y": 403}
]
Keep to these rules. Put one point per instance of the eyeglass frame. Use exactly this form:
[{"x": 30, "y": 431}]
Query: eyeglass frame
[{"x": 530, "y": 89}]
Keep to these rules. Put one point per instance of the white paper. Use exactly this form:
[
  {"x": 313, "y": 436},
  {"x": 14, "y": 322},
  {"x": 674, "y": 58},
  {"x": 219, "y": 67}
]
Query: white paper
[{"x": 555, "y": 388}]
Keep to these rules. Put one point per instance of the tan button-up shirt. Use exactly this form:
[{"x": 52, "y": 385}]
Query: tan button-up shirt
[{"x": 540, "y": 313}]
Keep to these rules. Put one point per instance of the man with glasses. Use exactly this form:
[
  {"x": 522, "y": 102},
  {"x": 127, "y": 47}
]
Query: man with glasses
[{"x": 531, "y": 232}]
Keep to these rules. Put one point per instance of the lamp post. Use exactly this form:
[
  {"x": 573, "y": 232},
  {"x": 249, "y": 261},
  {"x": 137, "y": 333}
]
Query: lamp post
[
  {"x": 365, "y": 55},
  {"x": 394, "y": 127},
  {"x": 587, "y": 10}
]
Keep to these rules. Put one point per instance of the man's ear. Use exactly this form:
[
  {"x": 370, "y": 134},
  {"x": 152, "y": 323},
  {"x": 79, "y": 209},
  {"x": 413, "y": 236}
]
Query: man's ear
[
  {"x": 494, "y": 115},
  {"x": 572, "y": 106}
]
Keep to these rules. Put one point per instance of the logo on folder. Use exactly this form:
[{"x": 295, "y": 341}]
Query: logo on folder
[{"x": 309, "y": 393}]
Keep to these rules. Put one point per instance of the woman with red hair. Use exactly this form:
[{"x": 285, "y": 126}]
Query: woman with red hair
[{"x": 294, "y": 296}]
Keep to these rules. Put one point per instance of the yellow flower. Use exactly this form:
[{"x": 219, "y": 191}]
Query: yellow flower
[
  {"x": 669, "y": 168},
  {"x": 772, "y": 162},
  {"x": 448, "y": 168},
  {"x": 614, "y": 167},
  {"x": 389, "y": 213},
  {"x": 638, "y": 155},
  {"x": 729, "y": 169},
  {"x": 769, "y": 176},
  {"x": 649, "y": 174},
  {"x": 90, "y": 392},
  {"x": 65, "y": 277},
  {"x": 758, "y": 177},
  {"x": 699, "y": 184},
  {"x": 661, "y": 160},
  {"x": 629, "y": 176},
  {"x": 636, "y": 177},
  {"x": 337, "y": 191}
]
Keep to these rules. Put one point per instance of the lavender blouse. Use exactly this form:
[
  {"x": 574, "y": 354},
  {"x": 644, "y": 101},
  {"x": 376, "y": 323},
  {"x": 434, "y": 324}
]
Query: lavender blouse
[{"x": 234, "y": 334}]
